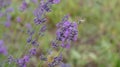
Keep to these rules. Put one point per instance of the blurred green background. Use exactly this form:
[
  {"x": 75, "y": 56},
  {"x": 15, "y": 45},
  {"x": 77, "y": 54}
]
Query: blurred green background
[{"x": 98, "y": 44}]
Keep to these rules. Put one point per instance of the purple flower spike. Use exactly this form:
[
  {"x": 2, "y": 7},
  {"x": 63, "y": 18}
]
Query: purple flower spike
[
  {"x": 28, "y": 26},
  {"x": 56, "y": 1},
  {"x": 32, "y": 51},
  {"x": 39, "y": 21},
  {"x": 4, "y": 3},
  {"x": 65, "y": 18},
  {"x": 23, "y": 6},
  {"x": 54, "y": 44},
  {"x": 56, "y": 61},
  {"x": 1, "y": 42},
  {"x": 67, "y": 45},
  {"x": 26, "y": 58},
  {"x": 34, "y": 43},
  {"x": 18, "y": 19},
  {"x": 30, "y": 32},
  {"x": 42, "y": 57},
  {"x": 3, "y": 49},
  {"x": 1, "y": 14},
  {"x": 65, "y": 65},
  {"x": 10, "y": 59},
  {"x": 68, "y": 31},
  {"x": 29, "y": 39},
  {"x": 47, "y": 7},
  {"x": 38, "y": 13},
  {"x": 34, "y": 1},
  {"x": 43, "y": 29},
  {"x": 10, "y": 9},
  {"x": 22, "y": 61}
]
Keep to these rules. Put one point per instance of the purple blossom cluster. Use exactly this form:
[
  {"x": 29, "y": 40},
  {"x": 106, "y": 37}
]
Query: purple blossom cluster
[
  {"x": 65, "y": 65},
  {"x": 34, "y": 1},
  {"x": 7, "y": 9},
  {"x": 8, "y": 21},
  {"x": 56, "y": 61},
  {"x": 3, "y": 49},
  {"x": 23, "y": 61},
  {"x": 67, "y": 32},
  {"x": 18, "y": 19},
  {"x": 4, "y": 3},
  {"x": 32, "y": 51},
  {"x": 23, "y": 6},
  {"x": 40, "y": 12}
]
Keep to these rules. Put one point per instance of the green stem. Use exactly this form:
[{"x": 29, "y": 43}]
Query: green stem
[{"x": 60, "y": 51}]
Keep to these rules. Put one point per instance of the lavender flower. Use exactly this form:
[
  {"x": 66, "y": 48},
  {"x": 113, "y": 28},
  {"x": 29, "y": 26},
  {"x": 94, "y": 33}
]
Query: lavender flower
[
  {"x": 3, "y": 49},
  {"x": 68, "y": 31},
  {"x": 46, "y": 7},
  {"x": 1, "y": 42},
  {"x": 39, "y": 21},
  {"x": 65, "y": 65},
  {"x": 26, "y": 58},
  {"x": 42, "y": 57},
  {"x": 4, "y": 3},
  {"x": 30, "y": 32},
  {"x": 65, "y": 45},
  {"x": 9, "y": 9},
  {"x": 32, "y": 51},
  {"x": 1, "y": 3},
  {"x": 41, "y": 11},
  {"x": 34, "y": 1},
  {"x": 34, "y": 42},
  {"x": 56, "y": 61},
  {"x": 8, "y": 17},
  {"x": 64, "y": 19},
  {"x": 7, "y": 24},
  {"x": 23, "y": 6},
  {"x": 10, "y": 59},
  {"x": 22, "y": 61},
  {"x": 29, "y": 39},
  {"x": 1, "y": 14},
  {"x": 54, "y": 44},
  {"x": 18, "y": 19},
  {"x": 56, "y": 1},
  {"x": 42, "y": 30},
  {"x": 28, "y": 26}
]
